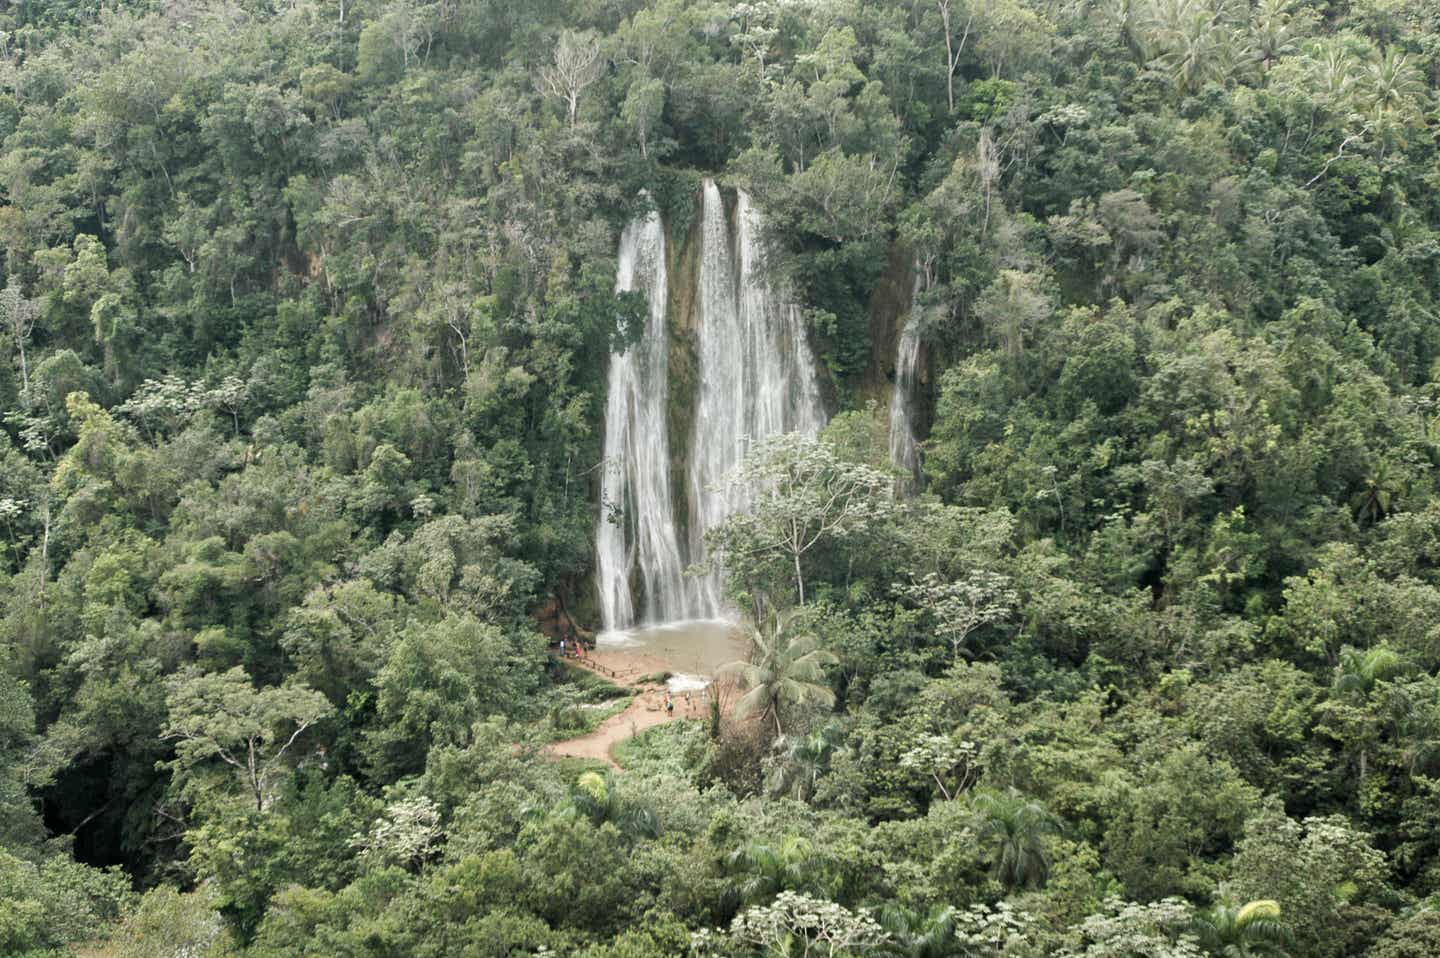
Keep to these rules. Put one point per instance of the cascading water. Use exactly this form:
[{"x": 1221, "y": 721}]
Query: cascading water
[
  {"x": 756, "y": 378},
  {"x": 904, "y": 449},
  {"x": 636, "y": 481},
  {"x": 757, "y": 374}
]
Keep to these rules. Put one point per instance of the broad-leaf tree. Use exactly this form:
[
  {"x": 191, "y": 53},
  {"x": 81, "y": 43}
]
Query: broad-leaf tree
[
  {"x": 255, "y": 731},
  {"x": 797, "y": 493}
]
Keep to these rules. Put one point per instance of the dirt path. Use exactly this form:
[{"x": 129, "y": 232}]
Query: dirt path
[{"x": 646, "y": 708}]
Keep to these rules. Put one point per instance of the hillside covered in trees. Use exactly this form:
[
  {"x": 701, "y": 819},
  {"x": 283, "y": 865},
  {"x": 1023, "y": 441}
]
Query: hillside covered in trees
[{"x": 304, "y": 328}]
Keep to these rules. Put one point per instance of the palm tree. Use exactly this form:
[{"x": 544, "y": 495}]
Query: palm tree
[
  {"x": 1355, "y": 678},
  {"x": 1273, "y": 32},
  {"x": 1393, "y": 83},
  {"x": 921, "y": 935},
  {"x": 784, "y": 673},
  {"x": 1395, "y": 91},
  {"x": 1334, "y": 75},
  {"x": 1359, "y": 671},
  {"x": 1015, "y": 828},
  {"x": 1417, "y": 724},
  {"x": 600, "y": 799},
  {"x": 804, "y": 758},
  {"x": 1381, "y": 487},
  {"x": 764, "y": 870},
  {"x": 1196, "y": 41},
  {"x": 1250, "y": 931},
  {"x": 1127, "y": 17}
]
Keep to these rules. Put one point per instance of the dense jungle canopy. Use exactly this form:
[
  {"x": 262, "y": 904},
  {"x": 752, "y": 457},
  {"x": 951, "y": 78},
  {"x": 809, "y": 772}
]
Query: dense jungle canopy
[{"x": 303, "y": 332}]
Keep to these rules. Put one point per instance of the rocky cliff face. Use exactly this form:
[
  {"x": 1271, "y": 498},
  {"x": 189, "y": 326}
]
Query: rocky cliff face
[{"x": 889, "y": 307}]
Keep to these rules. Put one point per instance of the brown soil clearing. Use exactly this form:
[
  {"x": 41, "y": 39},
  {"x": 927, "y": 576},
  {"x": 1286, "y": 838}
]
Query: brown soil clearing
[{"x": 646, "y": 708}]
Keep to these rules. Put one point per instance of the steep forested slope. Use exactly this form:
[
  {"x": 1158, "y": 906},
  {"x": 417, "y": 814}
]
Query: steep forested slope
[{"x": 306, "y": 306}]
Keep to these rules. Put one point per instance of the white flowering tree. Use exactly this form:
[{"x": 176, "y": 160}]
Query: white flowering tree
[
  {"x": 406, "y": 834},
  {"x": 162, "y": 406},
  {"x": 1160, "y": 929},
  {"x": 960, "y": 607},
  {"x": 975, "y": 932},
  {"x": 800, "y": 925},
  {"x": 953, "y": 765}
]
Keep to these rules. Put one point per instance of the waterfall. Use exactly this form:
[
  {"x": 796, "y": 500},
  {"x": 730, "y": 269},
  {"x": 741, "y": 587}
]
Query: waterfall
[
  {"x": 720, "y": 422},
  {"x": 636, "y": 479},
  {"x": 755, "y": 377},
  {"x": 904, "y": 449},
  {"x": 757, "y": 374}
]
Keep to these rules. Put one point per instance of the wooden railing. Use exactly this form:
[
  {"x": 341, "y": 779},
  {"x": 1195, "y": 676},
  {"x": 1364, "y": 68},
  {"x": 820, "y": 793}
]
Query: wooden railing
[{"x": 586, "y": 662}]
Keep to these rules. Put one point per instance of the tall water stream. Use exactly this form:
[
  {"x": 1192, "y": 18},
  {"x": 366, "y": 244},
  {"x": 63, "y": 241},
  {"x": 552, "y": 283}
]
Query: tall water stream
[
  {"x": 755, "y": 377},
  {"x": 636, "y": 532},
  {"x": 904, "y": 449}
]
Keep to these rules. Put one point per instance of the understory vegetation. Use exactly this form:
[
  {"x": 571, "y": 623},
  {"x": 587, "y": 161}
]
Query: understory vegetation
[{"x": 303, "y": 323}]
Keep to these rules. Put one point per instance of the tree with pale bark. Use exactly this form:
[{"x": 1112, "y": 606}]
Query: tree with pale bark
[{"x": 578, "y": 62}]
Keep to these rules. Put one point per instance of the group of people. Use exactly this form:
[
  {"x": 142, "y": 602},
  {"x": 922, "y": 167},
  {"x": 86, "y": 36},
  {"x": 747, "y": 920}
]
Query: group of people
[
  {"x": 573, "y": 647},
  {"x": 670, "y": 702}
]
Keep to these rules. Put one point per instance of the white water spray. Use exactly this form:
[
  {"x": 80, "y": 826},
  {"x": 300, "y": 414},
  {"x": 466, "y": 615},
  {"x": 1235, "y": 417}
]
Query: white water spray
[
  {"x": 636, "y": 532},
  {"x": 757, "y": 374},
  {"x": 904, "y": 448},
  {"x": 755, "y": 379}
]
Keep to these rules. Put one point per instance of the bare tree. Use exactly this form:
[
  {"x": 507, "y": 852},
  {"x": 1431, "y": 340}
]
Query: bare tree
[
  {"x": 950, "y": 16},
  {"x": 19, "y": 315},
  {"x": 578, "y": 64},
  {"x": 987, "y": 166}
]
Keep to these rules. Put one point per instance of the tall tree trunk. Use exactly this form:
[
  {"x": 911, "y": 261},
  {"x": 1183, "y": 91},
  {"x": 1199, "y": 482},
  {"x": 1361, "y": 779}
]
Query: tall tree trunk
[{"x": 949, "y": 71}]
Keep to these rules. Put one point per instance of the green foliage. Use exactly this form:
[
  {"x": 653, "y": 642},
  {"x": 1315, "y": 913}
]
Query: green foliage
[
  {"x": 223, "y": 716},
  {"x": 54, "y": 902},
  {"x": 1014, "y": 828},
  {"x": 1242, "y": 930},
  {"x": 1415, "y": 935},
  {"x": 302, "y": 335},
  {"x": 187, "y": 923},
  {"x": 1325, "y": 875},
  {"x": 440, "y": 679}
]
